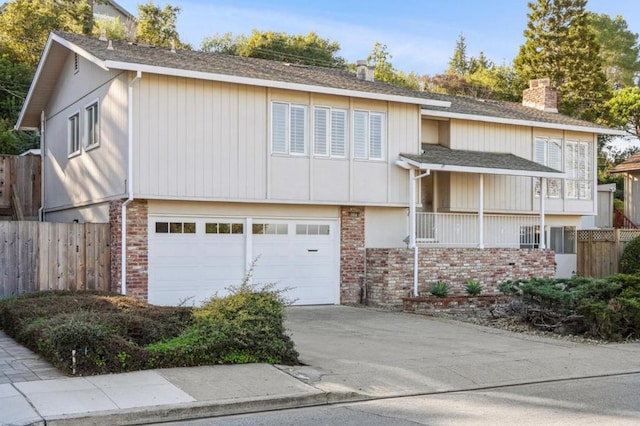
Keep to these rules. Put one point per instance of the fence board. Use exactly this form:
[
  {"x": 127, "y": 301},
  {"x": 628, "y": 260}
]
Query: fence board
[
  {"x": 53, "y": 256},
  {"x": 600, "y": 250}
]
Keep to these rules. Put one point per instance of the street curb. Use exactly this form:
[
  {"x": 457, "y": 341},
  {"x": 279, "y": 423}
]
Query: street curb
[{"x": 201, "y": 409}]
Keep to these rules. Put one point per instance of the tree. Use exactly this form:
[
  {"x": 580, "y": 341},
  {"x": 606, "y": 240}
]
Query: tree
[
  {"x": 623, "y": 110},
  {"x": 158, "y": 26},
  {"x": 619, "y": 49},
  {"x": 25, "y": 25},
  {"x": 384, "y": 71},
  {"x": 458, "y": 63},
  {"x": 309, "y": 49},
  {"x": 561, "y": 46}
]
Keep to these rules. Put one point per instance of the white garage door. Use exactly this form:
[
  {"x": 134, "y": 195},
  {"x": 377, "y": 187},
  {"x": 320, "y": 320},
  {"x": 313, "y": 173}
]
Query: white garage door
[{"x": 191, "y": 259}]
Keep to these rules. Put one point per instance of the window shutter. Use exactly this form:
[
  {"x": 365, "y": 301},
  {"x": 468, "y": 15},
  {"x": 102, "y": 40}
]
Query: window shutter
[
  {"x": 539, "y": 151},
  {"x": 375, "y": 136},
  {"x": 320, "y": 133},
  {"x": 279, "y": 114},
  {"x": 338, "y": 132},
  {"x": 298, "y": 125},
  {"x": 360, "y": 134},
  {"x": 555, "y": 154}
]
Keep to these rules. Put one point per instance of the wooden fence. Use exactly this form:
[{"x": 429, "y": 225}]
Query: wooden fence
[
  {"x": 599, "y": 250},
  {"x": 20, "y": 181},
  {"x": 37, "y": 256}
]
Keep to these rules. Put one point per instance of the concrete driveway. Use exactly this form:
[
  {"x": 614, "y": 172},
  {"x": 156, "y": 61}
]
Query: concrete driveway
[{"x": 382, "y": 354}]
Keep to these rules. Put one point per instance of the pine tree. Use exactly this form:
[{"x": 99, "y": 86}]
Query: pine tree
[
  {"x": 560, "y": 45},
  {"x": 458, "y": 63}
]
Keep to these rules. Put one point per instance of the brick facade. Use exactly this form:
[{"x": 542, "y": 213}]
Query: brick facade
[
  {"x": 352, "y": 254},
  {"x": 390, "y": 271},
  {"x": 137, "y": 247}
]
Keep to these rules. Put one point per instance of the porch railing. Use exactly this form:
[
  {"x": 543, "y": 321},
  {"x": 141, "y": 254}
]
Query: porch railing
[{"x": 461, "y": 230}]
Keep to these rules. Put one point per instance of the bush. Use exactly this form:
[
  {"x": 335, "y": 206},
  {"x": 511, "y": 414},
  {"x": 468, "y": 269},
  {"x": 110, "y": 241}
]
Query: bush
[
  {"x": 473, "y": 288},
  {"x": 440, "y": 289},
  {"x": 630, "y": 260}
]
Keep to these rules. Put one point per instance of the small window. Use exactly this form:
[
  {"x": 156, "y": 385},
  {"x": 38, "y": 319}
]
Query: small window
[
  {"x": 92, "y": 125},
  {"x": 562, "y": 239},
  {"x": 189, "y": 228},
  {"x": 74, "y": 134},
  {"x": 223, "y": 228},
  {"x": 270, "y": 229},
  {"x": 312, "y": 229},
  {"x": 175, "y": 228},
  {"x": 162, "y": 227}
]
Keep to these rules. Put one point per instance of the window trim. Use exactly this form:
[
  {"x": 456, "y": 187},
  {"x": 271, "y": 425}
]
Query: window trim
[
  {"x": 329, "y": 145},
  {"x": 287, "y": 130},
  {"x": 87, "y": 122},
  {"x": 368, "y": 140},
  {"x": 573, "y": 174},
  {"x": 75, "y": 116}
]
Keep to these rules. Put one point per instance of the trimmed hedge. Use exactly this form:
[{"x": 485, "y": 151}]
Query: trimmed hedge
[
  {"x": 89, "y": 333},
  {"x": 630, "y": 260}
]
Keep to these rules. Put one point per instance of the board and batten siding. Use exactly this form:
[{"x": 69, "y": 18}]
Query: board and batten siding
[
  {"x": 95, "y": 174},
  {"x": 200, "y": 140}
]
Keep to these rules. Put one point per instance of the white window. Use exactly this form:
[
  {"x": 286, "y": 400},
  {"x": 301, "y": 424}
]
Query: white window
[
  {"x": 92, "y": 125},
  {"x": 368, "y": 135},
  {"x": 548, "y": 152},
  {"x": 329, "y": 131},
  {"x": 288, "y": 129},
  {"x": 578, "y": 184},
  {"x": 73, "y": 134},
  {"x": 562, "y": 239}
]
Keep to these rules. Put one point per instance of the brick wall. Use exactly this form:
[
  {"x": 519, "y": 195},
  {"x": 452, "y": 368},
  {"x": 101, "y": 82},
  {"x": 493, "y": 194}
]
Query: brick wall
[
  {"x": 137, "y": 247},
  {"x": 390, "y": 271},
  {"x": 352, "y": 255}
]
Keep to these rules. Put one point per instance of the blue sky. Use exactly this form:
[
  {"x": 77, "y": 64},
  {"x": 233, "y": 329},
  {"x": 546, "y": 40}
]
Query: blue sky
[{"x": 419, "y": 34}]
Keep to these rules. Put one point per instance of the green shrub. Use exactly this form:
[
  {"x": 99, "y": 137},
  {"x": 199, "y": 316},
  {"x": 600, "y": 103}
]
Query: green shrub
[
  {"x": 630, "y": 260},
  {"x": 473, "y": 288},
  {"x": 440, "y": 289}
]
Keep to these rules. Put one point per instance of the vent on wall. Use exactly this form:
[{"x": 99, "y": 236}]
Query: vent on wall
[{"x": 76, "y": 65}]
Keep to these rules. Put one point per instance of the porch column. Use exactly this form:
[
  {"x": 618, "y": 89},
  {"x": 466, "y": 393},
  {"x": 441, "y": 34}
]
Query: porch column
[
  {"x": 481, "y": 213},
  {"x": 543, "y": 194}
]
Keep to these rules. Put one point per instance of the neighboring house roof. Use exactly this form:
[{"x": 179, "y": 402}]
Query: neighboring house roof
[
  {"x": 631, "y": 164},
  {"x": 440, "y": 158},
  {"x": 116, "y": 6},
  {"x": 510, "y": 113}
]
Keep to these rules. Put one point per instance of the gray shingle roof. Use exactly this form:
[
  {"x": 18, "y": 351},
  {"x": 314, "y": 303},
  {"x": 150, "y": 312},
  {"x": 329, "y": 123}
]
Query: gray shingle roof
[
  {"x": 217, "y": 63},
  {"x": 502, "y": 109},
  {"x": 631, "y": 164},
  {"x": 440, "y": 155}
]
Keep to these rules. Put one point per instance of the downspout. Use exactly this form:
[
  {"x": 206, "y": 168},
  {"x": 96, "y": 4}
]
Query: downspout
[
  {"x": 412, "y": 224},
  {"x": 129, "y": 200},
  {"x": 43, "y": 153}
]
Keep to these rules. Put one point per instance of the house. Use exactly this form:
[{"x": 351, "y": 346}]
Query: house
[
  {"x": 111, "y": 10},
  {"x": 631, "y": 172},
  {"x": 204, "y": 162}
]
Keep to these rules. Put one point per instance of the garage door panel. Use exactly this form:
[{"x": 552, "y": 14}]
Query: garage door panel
[{"x": 299, "y": 254}]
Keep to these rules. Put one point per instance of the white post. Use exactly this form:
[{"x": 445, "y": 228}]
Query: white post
[
  {"x": 543, "y": 194},
  {"x": 412, "y": 208},
  {"x": 481, "y": 213}
]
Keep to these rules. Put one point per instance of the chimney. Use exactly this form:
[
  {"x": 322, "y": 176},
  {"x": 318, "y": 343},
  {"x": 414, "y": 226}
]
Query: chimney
[
  {"x": 364, "y": 71},
  {"x": 540, "y": 95}
]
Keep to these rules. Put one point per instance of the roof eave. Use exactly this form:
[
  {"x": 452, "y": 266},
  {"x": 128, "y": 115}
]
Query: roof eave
[
  {"x": 528, "y": 123},
  {"x": 272, "y": 83},
  {"x": 41, "y": 65},
  {"x": 482, "y": 170}
]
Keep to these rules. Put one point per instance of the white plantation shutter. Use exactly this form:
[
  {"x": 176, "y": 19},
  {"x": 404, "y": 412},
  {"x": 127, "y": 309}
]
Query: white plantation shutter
[
  {"x": 375, "y": 136},
  {"x": 320, "y": 132},
  {"x": 279, "y": 113},
  {"x": 360, "y": 136},
  {"x": 298, "y": 126},
  {"x": 338, "y": 132},
  {"x": 540, "y": 152},
  {"x": 584, "y": 163},
  {"x": 554, "y": 160},
  {"x": 571, "y": 170}
]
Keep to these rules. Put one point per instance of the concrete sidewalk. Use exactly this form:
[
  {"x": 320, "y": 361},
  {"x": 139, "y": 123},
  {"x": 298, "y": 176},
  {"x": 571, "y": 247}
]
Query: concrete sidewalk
[{"x": 351, "y": 354}]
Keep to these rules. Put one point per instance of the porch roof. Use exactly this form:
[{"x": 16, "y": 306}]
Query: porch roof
[{"x": 440, "y": 158}]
